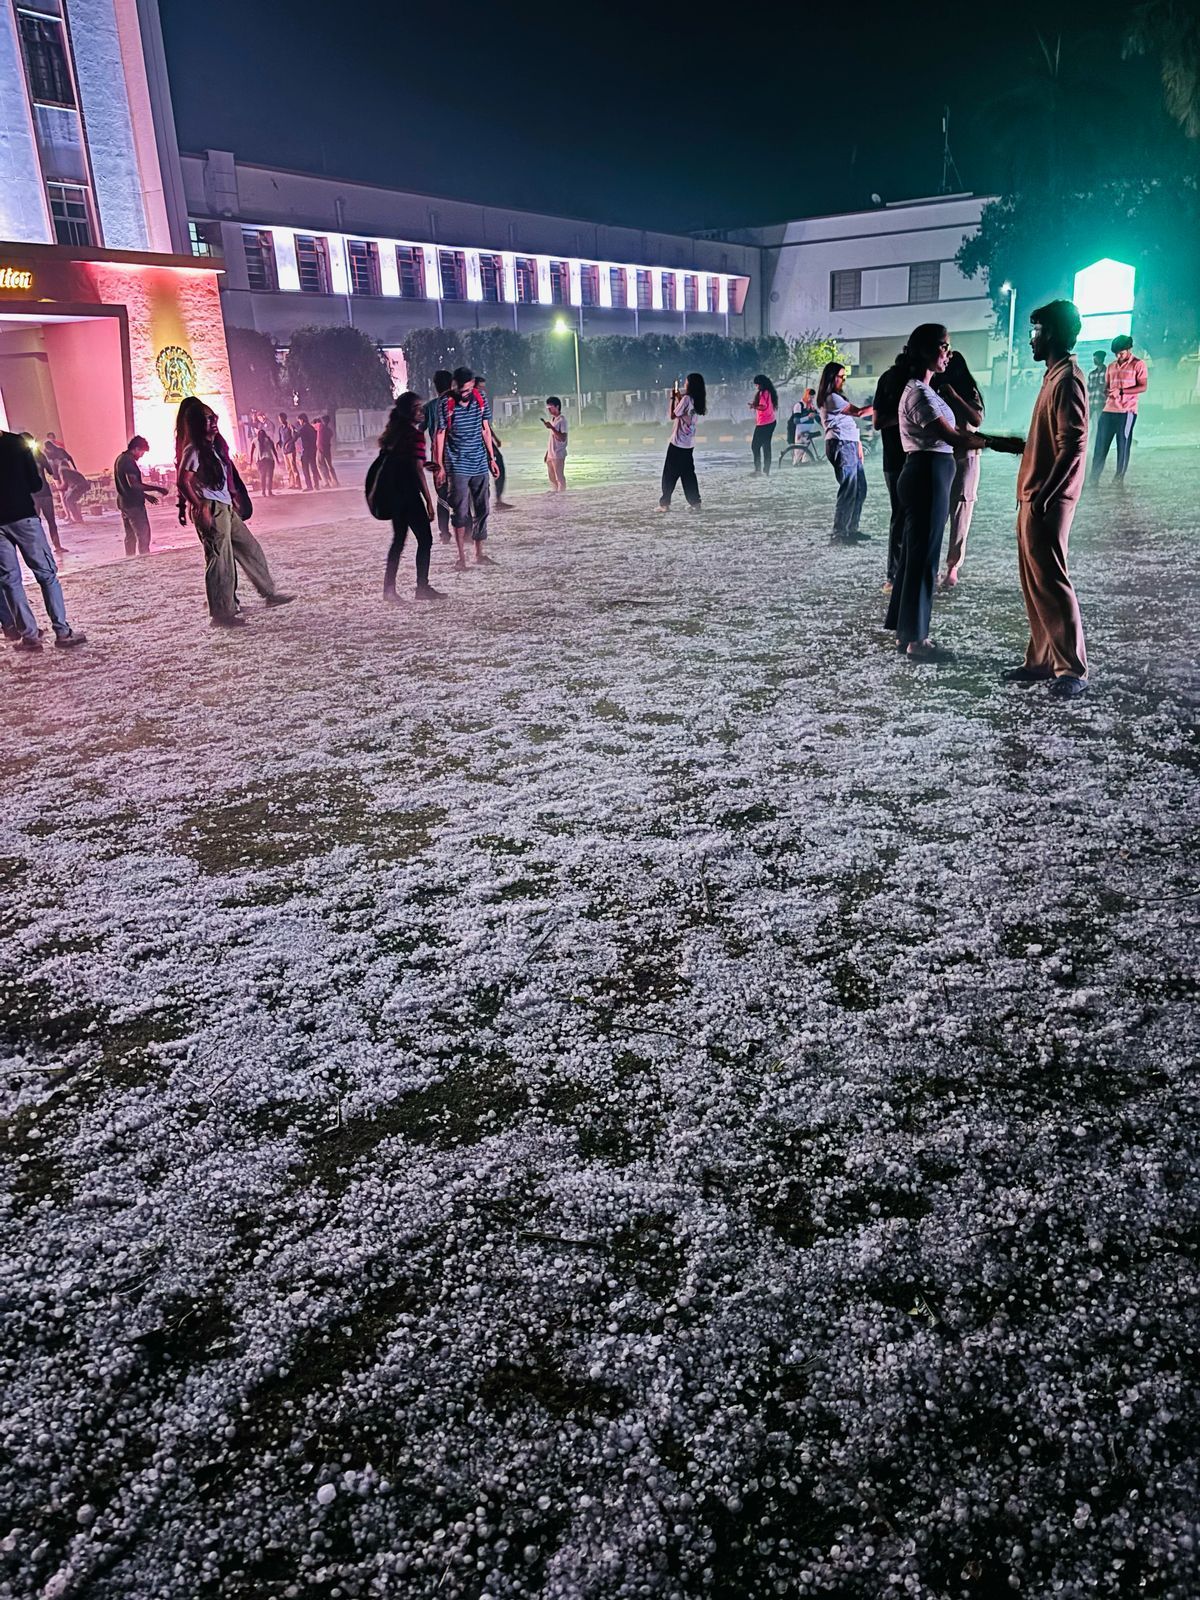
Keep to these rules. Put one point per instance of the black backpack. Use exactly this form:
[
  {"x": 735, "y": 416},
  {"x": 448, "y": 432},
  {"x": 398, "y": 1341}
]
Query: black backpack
[{"x": 381, "y": 486}]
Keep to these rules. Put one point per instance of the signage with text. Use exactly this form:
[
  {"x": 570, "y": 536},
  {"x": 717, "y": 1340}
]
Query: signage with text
[{"x": 15, "y": 278}]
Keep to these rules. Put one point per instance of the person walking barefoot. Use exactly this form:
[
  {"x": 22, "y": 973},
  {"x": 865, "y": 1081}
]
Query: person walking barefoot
[
  {"x": 556, "y": 445},
  {"x": 687, "y": 403},
  {"x": 843, "y": 451},
  {"x": 403, "y": 444},
  {"x": 765, "y": 407}
]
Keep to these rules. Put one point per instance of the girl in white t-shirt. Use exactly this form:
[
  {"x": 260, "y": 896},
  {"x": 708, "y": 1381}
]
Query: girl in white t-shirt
[
  {"x": 843, "y": 451},
  {"x": 687, "y": 404},
  {"x": 556, "y": 445}
]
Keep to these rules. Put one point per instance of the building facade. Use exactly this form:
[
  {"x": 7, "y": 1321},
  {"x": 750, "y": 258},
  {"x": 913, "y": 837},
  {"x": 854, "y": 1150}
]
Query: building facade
[
  {"x": 107, "y": 318},
  {"x": 300, "y": 250}
]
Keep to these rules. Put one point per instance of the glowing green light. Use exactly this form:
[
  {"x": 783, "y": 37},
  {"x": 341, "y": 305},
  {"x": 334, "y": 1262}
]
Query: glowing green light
[{"x": 1104, "y": 295}]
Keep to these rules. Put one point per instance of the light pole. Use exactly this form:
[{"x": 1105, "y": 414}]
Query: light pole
[
  {"x": 1010, "y": 291},
  {"x": 562, "y": 326}
]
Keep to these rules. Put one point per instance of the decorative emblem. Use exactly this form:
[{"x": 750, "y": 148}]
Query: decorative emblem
[{"x": 176, "y": 372}]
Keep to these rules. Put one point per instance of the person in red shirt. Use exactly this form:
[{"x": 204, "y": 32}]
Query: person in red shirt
[
  {"x": 1125, "y": 382},
  {"x": 765, "y": 407}
]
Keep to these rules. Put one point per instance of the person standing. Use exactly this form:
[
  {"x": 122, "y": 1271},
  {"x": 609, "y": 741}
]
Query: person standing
[
  {"x": 306, "y": 449},
  {"x": 1096, "y": 384},
  {"x": 464, "y": 457},
  {"x": 686, "y": 405},
  {"x": 43, "y": 500},
  {"x": 765, "y": 407},
  {"x": 264, "y": 454},
  {"x": 21, "y": 534},
  {"x": 131, "y": 496},
  {"x": 556, "y": 445},
  {"x": 207, "y": 480},
  {"x": 887, "y": 425},
  {"x": 402, "y": 444},
  {"x": 930, "y": 437},
  {"x": 1049, "y": 483},
  {"x": 499, "y": 503},
  {"x": 1125, "y": 381},
  {"x": 285, "y": 439},
  {"x": 961, "y": 393},
  {"x": 843, "y": 451},
  {"x": 72, "y": 483},
  {"x": 443, "y": 382},
  {"x": 326, "y": 439}
]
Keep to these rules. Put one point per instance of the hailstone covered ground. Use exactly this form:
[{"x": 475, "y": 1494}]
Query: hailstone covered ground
[{"x": 614, "y": 1085}]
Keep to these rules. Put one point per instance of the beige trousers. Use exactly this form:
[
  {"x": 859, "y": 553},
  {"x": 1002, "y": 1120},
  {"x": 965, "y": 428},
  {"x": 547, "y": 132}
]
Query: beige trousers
[
  {"x": 1055, "y": 626},
  {"x": 227, "y": 539},
  {"x": 964, "y": 492}
]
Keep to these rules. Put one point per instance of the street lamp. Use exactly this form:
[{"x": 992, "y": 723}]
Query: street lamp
[
  {"x": 1010, "y": 291},
  {"x": 562, "y": 326}
]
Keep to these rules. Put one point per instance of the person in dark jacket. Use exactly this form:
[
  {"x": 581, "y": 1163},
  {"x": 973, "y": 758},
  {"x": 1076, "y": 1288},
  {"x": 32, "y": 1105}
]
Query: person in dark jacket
[
  {"x": 306, "y": 447},
  {"x": 403, "y": 443},
  {"x": 326, "y": 439},
  {"x": 21, "y": 533},
  {"x": 131, "y": 496}
]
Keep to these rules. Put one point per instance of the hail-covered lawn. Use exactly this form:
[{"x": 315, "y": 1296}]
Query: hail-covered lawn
[{"x": 614, "y": 1085}]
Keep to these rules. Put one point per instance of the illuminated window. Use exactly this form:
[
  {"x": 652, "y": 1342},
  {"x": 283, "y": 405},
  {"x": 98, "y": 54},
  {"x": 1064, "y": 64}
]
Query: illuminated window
[
  {"x": 645, "y": 291},
  {"x": 845, "y": 290},
  {"x": 71, "y": 213},
  {"x": 491, "y": 278},
  {"x": 619, "y": 286},
  {"x": 713, "y": 285},
  {"x": 362, "y": 258},
  {"x": 691, "y": 292},
  {"x": 46, "y": 60},
  {"x": 410, "y": 268},
  {"x": 924, "y": 282},
  {"x": 201, "y": 241},
  {"x": 589, "y": 286},
  {"x": 312, "y": 264},
  {"x": 526, "y": 273},
  {"x": 454, "y": 274},
  {"x": 260, "y": 259},
  {"x": 560, "y": 277},
  {"x": 668, "y": 291}
]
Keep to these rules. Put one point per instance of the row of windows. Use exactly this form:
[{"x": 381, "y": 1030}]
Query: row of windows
[
  {"x": 628, "y": 288},
  {"x": 924, "y": 286},
  {"x": 51, "y": 81}
]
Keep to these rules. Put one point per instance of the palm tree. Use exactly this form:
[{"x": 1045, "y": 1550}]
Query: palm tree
[{"x": 1170, "y": 33}]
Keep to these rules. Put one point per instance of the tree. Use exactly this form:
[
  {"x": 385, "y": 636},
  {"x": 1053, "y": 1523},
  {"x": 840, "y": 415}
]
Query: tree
[
  {"x": 430, "y": 350},
  {"x": 773, "y": 355},
  {"x": 499, "y": 354},
  {"x": 254, "y": 367},
  {"x": 1169, "y": 32},
  {"x": 809, "y": 351},
  {"x": 337, "y": 366}
]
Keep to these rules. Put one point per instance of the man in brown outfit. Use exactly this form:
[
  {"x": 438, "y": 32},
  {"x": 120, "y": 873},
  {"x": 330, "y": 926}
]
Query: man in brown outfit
[{"x": 1049, "y": 483}]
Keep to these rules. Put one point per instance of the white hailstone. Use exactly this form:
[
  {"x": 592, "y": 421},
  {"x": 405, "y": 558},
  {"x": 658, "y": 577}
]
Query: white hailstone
[{"x": 326, "y": 1494}]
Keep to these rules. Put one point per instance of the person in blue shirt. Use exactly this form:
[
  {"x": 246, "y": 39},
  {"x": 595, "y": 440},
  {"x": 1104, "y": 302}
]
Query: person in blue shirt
[{"x": 464, "y": 459}]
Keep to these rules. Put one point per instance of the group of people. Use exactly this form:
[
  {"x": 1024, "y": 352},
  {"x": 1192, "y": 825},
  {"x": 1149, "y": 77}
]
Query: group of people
[{"x": 302, "y": 451}]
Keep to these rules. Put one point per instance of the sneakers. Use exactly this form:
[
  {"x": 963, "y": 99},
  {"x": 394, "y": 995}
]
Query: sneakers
[
  {"x": 1067, "y": 687},
  {"x": 1024, "y": 674},
  {"x": 26, "y": 643},
  {"x": 426, "y": 591},
  {"x": 64, "y": 641},
  {"x": 278, "y": 599}
]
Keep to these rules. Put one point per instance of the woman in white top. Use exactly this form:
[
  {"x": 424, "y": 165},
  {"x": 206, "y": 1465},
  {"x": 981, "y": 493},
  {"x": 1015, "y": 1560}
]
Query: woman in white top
[
  {"x": 208, "y": 482},
  {"x": 843, "y": 451},
  {"x": 687, "y": 404},
  {"x": 931, "y": 437}
]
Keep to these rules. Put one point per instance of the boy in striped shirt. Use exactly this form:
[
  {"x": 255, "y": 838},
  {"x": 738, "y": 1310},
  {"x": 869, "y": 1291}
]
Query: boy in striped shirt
[{"x": 464, "y": 459}]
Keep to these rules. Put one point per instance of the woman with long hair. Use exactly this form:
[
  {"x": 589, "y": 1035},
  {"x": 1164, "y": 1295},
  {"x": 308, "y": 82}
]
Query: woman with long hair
[
  {"x": 687, "y": 404},
  {"x": 765, "y": 407},
  {"x": 843, "y": 451},
  {"x": 264, "y": 455},
  {"x": 402, "y": 442},
  {"x": 961, "y": 393},
  {"x": 931, "y": 438},
  {"x": 207, "y": 481}
]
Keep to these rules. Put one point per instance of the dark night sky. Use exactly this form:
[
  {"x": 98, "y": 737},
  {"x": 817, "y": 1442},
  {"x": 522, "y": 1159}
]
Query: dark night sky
[{"x": 648, "y": 114}]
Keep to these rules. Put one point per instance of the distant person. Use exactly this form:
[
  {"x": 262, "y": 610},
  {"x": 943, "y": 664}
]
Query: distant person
[
  {"x": 326, "y": 439},
  {"x": 207, "y": 480},
  {"x": 22, "y": 534},
  {"x": 556, "y": 445},
  {"x": 793, "y": 423},
  {"x": 930, "y": 436},
  {"x": 843, "y": 451},
  {"x": 888, "y": 391},
  {"x": 464, "y": 457},
  {"x": 765, "y": 406},
  {"x": 43, "y": 500},
  {"x": 1049, "y": 483},
  {"x": 443, "y": 382},
  {"x": 264, "y": 454},
  {"x": 962, "y": 394},
  {"x": 1096, "y": 394},
  {"x": 687, "y": 403},
  {"x": 306, "y": 450},
  {"x": 72, "y": 483},
  {"x": 285, "y": 440},
  {"x": 132, "y": 491},
  {"x": 1125, "y": 381},
  {"x": 403, "y": 444}
]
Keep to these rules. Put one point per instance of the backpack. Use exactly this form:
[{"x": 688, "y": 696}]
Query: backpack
[{"x": 380, "y": 486}]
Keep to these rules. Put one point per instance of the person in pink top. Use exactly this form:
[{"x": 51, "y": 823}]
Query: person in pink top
[
  {"x": 1125, "y": 382},
  {"x": 1049, "y": 482},
  {"x": 765, "y": 407}
]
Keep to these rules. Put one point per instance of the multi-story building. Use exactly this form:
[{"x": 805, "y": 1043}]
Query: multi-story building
[
  {"x": 300, "y": 249},
  {"x": 106, "y": 316}
]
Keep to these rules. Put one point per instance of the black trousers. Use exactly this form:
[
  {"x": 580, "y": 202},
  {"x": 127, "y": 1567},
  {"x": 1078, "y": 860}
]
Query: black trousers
[
  {"x": 412, "y": 515},
  {"x": 1112, "y": 425},
  {"x": 925, "y": 495},
  {"x": 896, "y": 523},
  {"x": 308, "y": 466},
  {"x": 502, "y": 475},
  {"x": 679, "y": 467},
  {"x": 760, "y": 445},
  {"x": 325, "y": 463}
]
